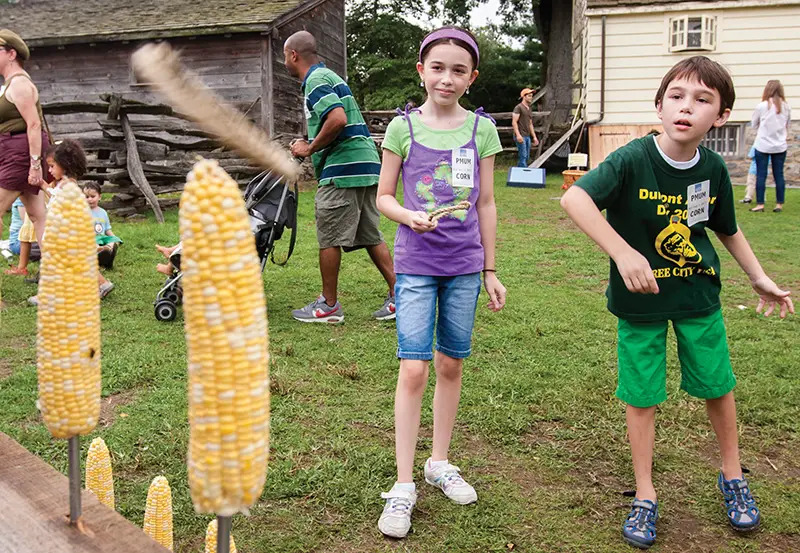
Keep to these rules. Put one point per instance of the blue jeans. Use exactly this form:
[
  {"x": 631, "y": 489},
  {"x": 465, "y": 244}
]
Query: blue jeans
[
  {"x": 416, "y": 298},
  {"x": 13, "y": 246},
  {"x": 762, "y": 160},
  {"x": 524, "y": 151}
]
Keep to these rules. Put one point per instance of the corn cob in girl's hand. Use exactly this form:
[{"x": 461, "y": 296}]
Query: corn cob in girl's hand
[
  {"x": 211, "y": 539},
  {"x": 226, "y": 333},
  {"x": 158, "y": 513},
  {"x": 68, "y": 338},
  {"x": 99, "y": 479}
]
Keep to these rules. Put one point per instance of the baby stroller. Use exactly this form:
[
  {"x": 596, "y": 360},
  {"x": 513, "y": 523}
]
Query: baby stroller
[{"x": 272, "y": 207}]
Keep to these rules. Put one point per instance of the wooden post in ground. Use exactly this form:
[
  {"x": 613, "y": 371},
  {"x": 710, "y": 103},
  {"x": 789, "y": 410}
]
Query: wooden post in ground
[{"x": 135, "y": 168}]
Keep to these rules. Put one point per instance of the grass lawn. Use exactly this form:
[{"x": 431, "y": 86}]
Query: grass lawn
[{"x": 539, "y": 433}]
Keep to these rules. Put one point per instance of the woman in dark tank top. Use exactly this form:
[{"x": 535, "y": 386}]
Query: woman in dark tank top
[{"x": 22, "y": 140}]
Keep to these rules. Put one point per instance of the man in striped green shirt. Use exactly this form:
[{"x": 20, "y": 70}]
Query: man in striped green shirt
[{"x": 347, "y": 167}]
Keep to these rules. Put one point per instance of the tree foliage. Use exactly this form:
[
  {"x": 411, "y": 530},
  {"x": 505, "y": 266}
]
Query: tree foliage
[{"x": 383, "y": 42}]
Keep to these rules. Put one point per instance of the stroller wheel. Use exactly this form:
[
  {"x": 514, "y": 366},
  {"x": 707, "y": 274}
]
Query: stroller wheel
[
  {"x": 174, "y": 296},
  {"x": 166, "y": 310}
]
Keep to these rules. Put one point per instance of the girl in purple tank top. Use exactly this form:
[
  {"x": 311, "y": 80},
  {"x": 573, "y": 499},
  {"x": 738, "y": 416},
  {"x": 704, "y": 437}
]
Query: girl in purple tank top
[{"x": 445, "y": 240}]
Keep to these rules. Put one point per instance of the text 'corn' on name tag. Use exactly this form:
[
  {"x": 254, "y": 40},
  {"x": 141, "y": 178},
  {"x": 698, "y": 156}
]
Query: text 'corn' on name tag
[
  {"x": 463, "y": 167},
  {"x": 698, "y": 197}
]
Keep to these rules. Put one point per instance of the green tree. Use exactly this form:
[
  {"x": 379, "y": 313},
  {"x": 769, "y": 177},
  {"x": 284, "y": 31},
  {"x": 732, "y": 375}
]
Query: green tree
[
  {"x": 383, "y": 46},
  {"x": 381, "y": 53}
]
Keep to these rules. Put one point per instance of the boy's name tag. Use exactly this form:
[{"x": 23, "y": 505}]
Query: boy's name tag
[
  {"x": 463, "y": 167},
  {"x": 698, "y": 197}
]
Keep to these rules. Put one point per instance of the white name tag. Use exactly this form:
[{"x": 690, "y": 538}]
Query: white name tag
[
  {"x": 698, "y": 197},
  {"x": 463, "y": 168},
  {"x": 308, "y": 111}
]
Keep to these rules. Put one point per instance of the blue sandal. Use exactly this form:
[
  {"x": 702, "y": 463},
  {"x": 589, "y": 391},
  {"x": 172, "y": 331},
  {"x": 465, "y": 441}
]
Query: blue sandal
[
  {"x": 743, "y": 513},
  {"x": 639, "y": 529}
]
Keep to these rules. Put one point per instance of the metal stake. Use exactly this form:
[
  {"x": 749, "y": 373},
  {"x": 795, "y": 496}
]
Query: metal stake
[
  {"x": 74, "y": 454},
  {"x": 223, "y": 534}
]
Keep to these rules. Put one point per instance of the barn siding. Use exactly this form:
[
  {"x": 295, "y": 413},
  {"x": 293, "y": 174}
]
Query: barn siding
[
  {"x": 325, "y": 23},
  {"x": 230, "y": 65}
]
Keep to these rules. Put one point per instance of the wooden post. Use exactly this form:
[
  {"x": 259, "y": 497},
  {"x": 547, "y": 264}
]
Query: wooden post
[
  {"x": 267, "y": 108},
  {"x": 34, "y": 515},
  {"x": 135, "y": 170}
]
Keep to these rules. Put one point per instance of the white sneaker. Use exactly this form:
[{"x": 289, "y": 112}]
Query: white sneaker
[
  {"x": 395, "y": 520},
  {"x": 105, "y": 288},
  {"x": 448, "y": 479}
]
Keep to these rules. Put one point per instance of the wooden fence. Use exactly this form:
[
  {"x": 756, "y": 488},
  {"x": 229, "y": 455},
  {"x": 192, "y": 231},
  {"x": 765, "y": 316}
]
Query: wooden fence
[{"x": 143, "y": 151}]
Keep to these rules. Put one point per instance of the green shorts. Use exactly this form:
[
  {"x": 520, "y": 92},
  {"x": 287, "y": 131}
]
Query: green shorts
[
  {"x": 706, "y": 370},
  {"x": 347, "y": 217}
]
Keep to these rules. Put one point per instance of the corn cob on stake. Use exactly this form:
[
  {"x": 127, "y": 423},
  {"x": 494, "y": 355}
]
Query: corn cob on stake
[
  {"x": 227, "y": 346},
  {"x": 158, "y": 513},
  {"x": 212, "y": 545},
  {"x": 68, "y": 333},
  {"x": 99, "y": 478}
]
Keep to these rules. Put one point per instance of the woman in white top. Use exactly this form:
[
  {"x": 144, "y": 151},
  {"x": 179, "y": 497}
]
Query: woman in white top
[{"x": 771, "y": 117}]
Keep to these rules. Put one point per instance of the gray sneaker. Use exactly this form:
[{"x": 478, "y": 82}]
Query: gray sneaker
[
  {"x": 319, "y": 312},
  {"x": 387, "y": 312}
]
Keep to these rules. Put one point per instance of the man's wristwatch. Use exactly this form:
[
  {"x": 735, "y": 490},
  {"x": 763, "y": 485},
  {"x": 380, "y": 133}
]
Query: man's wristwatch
[{"x": 36, "y": 162}]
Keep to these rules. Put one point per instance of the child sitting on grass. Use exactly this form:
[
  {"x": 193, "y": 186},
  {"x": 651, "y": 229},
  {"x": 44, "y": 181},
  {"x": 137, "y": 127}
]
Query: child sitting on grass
[
  {"x": 107, "y": 243},
  {"x": 661, "y": 193}
]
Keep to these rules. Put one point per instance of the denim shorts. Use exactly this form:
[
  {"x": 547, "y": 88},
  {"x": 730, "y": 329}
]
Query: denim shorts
[{"x": 416, "y": 298}]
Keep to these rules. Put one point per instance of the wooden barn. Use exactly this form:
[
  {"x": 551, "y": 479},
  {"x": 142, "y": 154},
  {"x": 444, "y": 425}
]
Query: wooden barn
[
  {"x": 80, "y": 50},
  {"x": 139, "y": 148}
]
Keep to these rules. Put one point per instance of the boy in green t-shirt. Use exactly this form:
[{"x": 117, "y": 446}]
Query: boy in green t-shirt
[{"x": 661, "y": 193}]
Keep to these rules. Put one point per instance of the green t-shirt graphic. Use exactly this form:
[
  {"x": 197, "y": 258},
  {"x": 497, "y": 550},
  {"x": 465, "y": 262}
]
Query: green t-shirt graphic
[{"x": 648, "y": 203}]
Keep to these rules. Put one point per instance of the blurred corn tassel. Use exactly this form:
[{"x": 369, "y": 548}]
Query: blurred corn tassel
[
  {"x": 158, "y": 513},
  {"x": 99, "y": 478},
  {"x": 227, "y": 343},
  {"x": 211, "y": 539},
  {"x": 68, "y": 337}
]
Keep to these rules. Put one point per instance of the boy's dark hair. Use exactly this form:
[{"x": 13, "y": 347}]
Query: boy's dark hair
[
  {"x": 708, "y": 72},
  {"x": 92, "y": 185},
  {"x": 458, "y": 42},
  {"x": 69, "y": 155}
]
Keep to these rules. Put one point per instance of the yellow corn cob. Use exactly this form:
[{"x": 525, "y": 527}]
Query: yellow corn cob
[
  {"x": 211, "y": 539},
  {"x": 227, "y": 345},
  {"x": 68, "y": 339},
  {"x": 98, "y": 473},
  {"x": 158, "y": 513}
]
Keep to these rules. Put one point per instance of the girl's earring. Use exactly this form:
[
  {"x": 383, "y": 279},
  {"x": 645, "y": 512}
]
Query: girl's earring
[
  {"x": 422, "y": 84},
  {"x": 467, "y": 90}
]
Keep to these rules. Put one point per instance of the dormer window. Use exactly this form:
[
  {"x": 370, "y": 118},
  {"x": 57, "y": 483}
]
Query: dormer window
[{"x": 688, "y": 33}]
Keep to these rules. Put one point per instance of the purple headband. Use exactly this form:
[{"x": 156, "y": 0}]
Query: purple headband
[{"x": 450, "y": 33}]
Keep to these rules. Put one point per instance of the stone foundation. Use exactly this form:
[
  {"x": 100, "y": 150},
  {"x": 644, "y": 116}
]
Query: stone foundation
[{"x": 738, "y": 167}]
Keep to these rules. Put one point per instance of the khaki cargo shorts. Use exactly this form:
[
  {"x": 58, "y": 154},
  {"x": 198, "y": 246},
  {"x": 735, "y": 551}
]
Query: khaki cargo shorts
[{"x": 347, "y": 217}]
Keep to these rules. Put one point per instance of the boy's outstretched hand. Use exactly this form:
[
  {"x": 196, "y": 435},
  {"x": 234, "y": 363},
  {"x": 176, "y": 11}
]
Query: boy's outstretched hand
[
  {"x": 635, "y": 270},
  {"x": 770, "y": 296}
]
